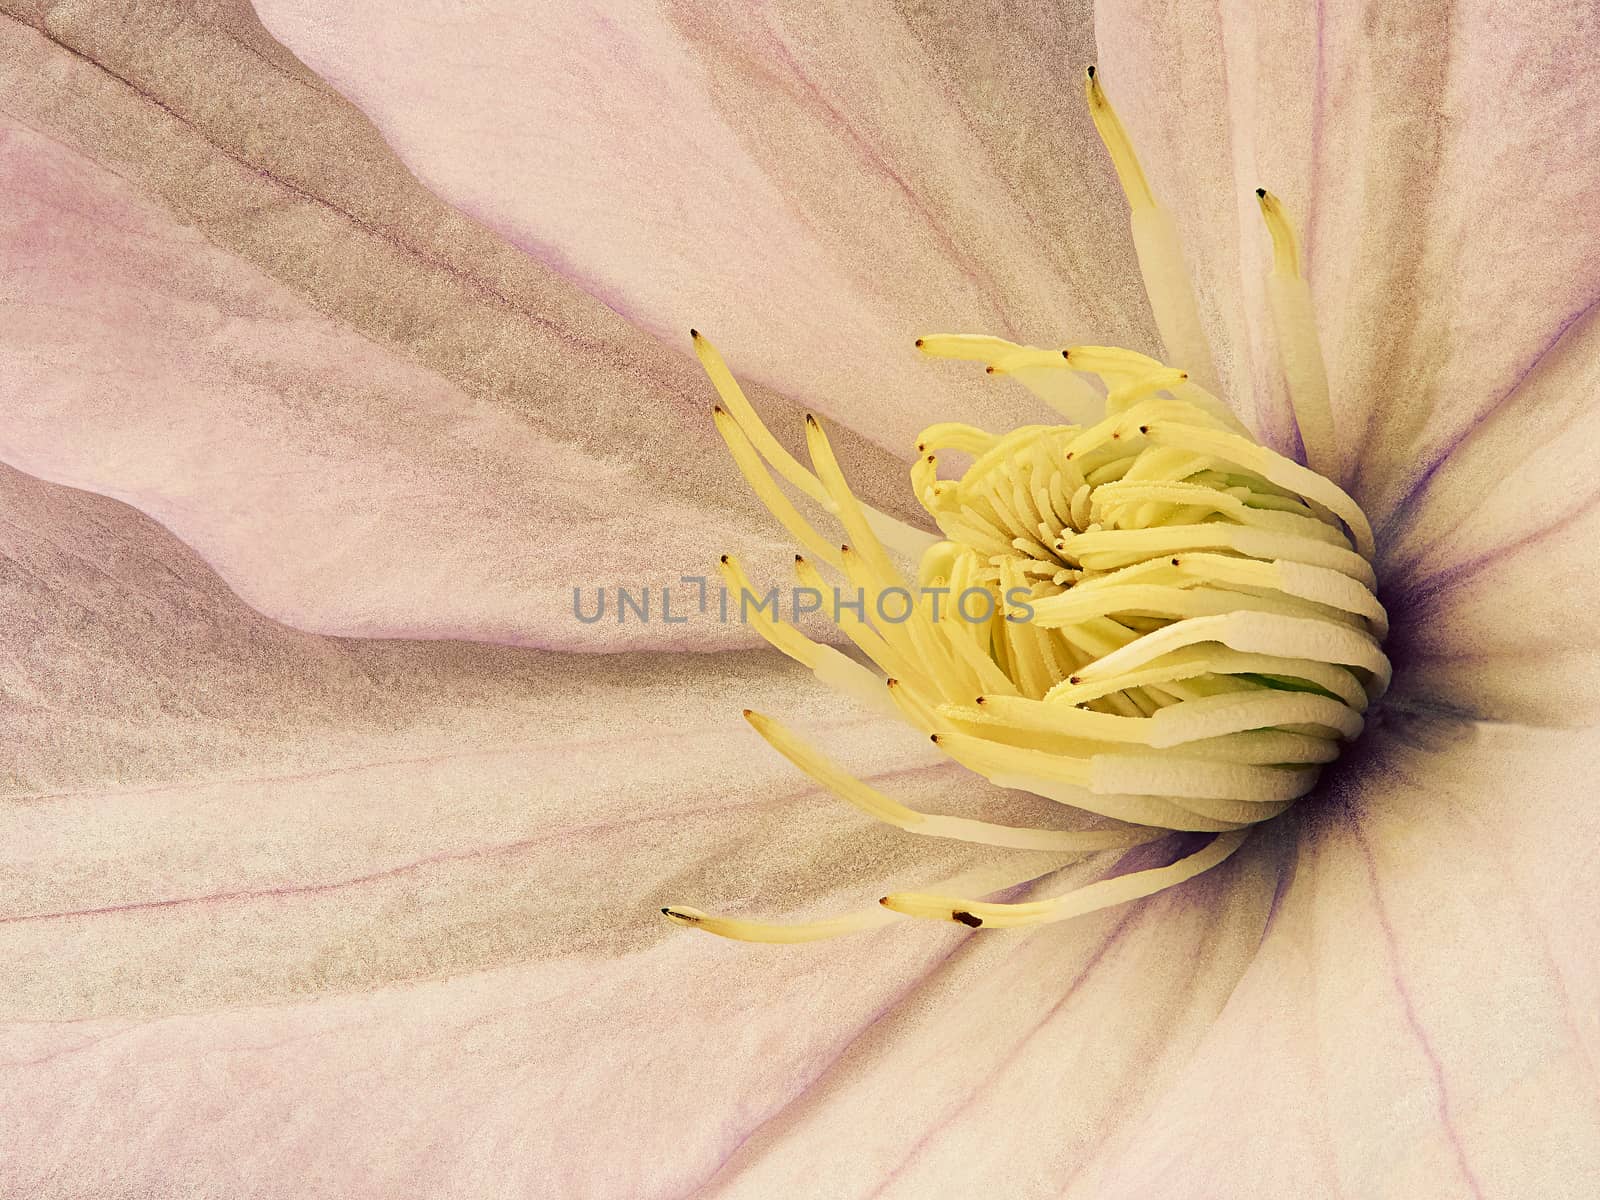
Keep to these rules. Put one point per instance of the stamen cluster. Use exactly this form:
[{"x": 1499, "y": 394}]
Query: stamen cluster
[{"x": 1183, "y": 628}]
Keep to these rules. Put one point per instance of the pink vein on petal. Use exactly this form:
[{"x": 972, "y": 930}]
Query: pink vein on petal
[
  {"x": 504, "y": 849},
  {"x": 1424, "y": 1044},
  {"x": 875, "y": 159}
]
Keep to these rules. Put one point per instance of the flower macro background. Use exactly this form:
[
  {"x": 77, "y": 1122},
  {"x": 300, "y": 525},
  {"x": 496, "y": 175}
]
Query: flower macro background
[{"x": 340, "y": 343}]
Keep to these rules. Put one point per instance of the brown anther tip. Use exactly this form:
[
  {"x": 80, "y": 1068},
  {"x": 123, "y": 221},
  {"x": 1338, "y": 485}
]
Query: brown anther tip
[
  {"x": 921, "y": 343},
  {"x": 810, "y": 420},
  {"x": 1116, "y": 433},
  {"x": 981, "y": 700},
  {"x": 934, "y": 738},
  {"x": 922, "y": 447},
  {"x": 1067, "y": 354},
  {"x": 717, "y": 409},
  {"x": 845, "y": 549},
  {"x": 1174, "y": 562},
  {"x": 1144, "y": 429},
  {"x": 749, "y": 712},
  {"x": 694, "y": 335},
  {"x": 988, "y": 370},
  {"x": 1261, "y": 193},
  {"x": 1091, "y": 72},
  {"x": 883, "y": 900},
  {"x": 891, "y": 682},
  {"x": 1182, "y": 375},
  {"x": 933, "y": 458},
  {"x": 723, "y": 559},
  {"x": 967, "y": 919},
  {"x": 1074, "y": 678}
]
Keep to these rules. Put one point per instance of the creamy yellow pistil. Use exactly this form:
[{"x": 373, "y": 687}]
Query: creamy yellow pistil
[{"x": 1201, "y": 631}]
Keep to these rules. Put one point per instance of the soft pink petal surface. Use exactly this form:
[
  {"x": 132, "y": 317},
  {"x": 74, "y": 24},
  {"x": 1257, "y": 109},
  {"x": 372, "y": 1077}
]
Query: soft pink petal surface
[
  {"x": 312, "y": 894},
  {"x": 347, "y": 913},
  {"x": 228, "y": 304},
  {"x": 295, "y": 915},
  {"x": 1420, "y": 1018},
  {"x": 813, "y": 185},
  {"x": 1438, "y": 159},
  {"x": 1496, "y": 582}
]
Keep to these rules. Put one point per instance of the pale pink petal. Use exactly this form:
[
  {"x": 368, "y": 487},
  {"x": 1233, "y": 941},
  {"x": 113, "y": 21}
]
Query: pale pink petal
[
  {"x": 1420, "y": 1019},
  {"x": 1006, "y": 1071},
  {"x": 227, "y": 304},
  {"x": 1495, "y": 578},
  {"x": 304, "y": 916},
  {"x": 814, "y": 187},
  {"x": 1440, "y": 161},
  {"x": 356, "y": 916}
]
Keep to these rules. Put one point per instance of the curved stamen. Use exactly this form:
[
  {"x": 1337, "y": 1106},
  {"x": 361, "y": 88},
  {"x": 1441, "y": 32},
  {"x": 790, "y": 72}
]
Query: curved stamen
[
  {"x": 1156, "y": 242},
  {"x": 875, "y": 804},
  {"x": 1087, "y": 899},
  {"x": 1179, "y": 629},
  {"x": 1289, "y": 298}
]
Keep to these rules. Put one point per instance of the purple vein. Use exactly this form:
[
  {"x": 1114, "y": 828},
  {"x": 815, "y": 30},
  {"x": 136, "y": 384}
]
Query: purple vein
[{"x": 1408, "y": 1008}]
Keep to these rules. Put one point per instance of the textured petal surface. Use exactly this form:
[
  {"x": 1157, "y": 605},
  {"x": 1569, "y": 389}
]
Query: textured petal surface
[
  {"x": 271, "y": 897},
  {"x": 267, "y": 896},
  {"x": 295, "y": 915},
  {"x": 1440, "y": 160},
  {"x": 1420, "y": 1019},
  {"x": 1494, "y": 582},
  {"x": 227, "y": 303},
  {"x": 813, "y": 185},
  {"x": 1008, "y": 1069}
]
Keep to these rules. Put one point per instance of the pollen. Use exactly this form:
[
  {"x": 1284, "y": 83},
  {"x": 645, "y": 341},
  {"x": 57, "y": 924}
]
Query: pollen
[{"x": 1178, "y": 627}]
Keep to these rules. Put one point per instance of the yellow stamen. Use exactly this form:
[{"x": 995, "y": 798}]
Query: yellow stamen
[
  {"x": 1155, "y": 241},
  {"x": 1289, "y": 298},
  {"x": 875, "y": 804},
  {"x": 1176, "y": 627},
  {"x": 1088, "y": 899}
]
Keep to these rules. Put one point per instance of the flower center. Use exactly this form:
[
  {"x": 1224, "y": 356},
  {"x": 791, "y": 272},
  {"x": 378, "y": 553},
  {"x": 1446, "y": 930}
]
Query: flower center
[{"x": 1143, "y": 614}]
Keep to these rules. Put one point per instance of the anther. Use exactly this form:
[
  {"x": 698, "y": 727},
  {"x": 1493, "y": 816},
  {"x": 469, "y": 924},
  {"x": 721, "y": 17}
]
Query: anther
[{"x": 967, "y": 919}]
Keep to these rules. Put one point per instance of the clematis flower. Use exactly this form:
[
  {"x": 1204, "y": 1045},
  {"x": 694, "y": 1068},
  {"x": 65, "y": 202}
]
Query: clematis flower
[{"x": 337, "y": 355}]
